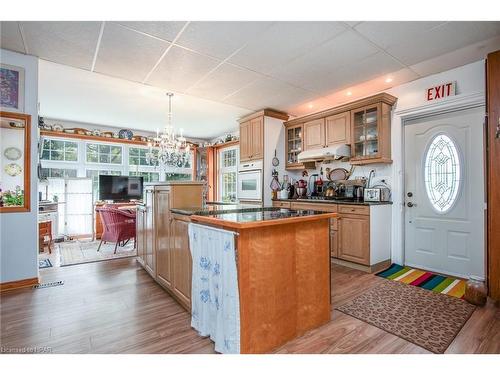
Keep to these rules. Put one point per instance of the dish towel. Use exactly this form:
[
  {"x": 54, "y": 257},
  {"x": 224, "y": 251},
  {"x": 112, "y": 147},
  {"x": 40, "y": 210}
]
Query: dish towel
[{"x": 215, "y": 303}]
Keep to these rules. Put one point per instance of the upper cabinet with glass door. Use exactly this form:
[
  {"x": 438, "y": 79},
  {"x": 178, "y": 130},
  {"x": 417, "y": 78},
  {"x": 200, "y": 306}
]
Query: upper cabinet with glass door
[
  {"x": 371, "y": 134},
  {"x": 293, "y": 146}
]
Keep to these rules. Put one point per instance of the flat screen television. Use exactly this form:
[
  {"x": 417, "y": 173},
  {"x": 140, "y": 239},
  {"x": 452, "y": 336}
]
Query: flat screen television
[{"x": 120, "y": 188}]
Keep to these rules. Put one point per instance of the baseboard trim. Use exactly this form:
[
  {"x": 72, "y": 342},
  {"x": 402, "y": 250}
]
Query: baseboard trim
[
  {"x": 375, "y": 268},
  {"x": 25, "y": 283}
]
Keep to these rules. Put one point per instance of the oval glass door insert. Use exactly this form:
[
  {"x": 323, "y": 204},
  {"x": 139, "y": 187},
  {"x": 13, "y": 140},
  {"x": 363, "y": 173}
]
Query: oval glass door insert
[{"x": 442, "y": 173}]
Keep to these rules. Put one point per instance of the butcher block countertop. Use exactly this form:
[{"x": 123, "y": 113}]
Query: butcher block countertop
[{"x": 263, "y": 217}]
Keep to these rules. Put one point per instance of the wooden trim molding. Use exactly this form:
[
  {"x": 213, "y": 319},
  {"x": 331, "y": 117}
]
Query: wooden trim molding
[
  {"x": 379, "y": 98},
  {"x": 24, "y": 283},
  {"x": 27, "y": 162},
  {"x": 266, "y": 112},
  {"x": 227, "y": 144},
  {"x": 493, "y": 172},
  {"x": 51, "y": 133}
]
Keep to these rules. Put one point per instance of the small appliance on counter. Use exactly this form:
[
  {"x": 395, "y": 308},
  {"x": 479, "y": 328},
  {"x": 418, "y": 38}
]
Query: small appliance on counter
[{"x": 377, "y": 194}]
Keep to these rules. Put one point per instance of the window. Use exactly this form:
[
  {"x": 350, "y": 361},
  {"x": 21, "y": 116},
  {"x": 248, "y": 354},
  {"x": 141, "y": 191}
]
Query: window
[
  {"x": 58, "y": 173},
  {"x": 178, "y": 177},
  {"x": 442, "y": 173},
  {"x": 137, "y": 156},
  {"x": 148, "y": 176},
  {"x": 228, "y": 158},
  {"x": 59, "y": 150},
  {"x": 94, "y": 174},
  {"x": 103, "y": 154}
]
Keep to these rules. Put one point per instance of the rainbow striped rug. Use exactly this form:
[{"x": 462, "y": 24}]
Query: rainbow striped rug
[{"x": 427, "y": 280}]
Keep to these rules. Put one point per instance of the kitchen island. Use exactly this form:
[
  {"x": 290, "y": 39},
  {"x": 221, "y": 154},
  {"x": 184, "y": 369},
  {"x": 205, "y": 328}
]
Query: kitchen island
[{"x": 283, "y": 272}]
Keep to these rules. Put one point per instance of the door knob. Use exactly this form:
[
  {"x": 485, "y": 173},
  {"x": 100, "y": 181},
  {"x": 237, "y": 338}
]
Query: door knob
[{"x": 410, "y": 204}]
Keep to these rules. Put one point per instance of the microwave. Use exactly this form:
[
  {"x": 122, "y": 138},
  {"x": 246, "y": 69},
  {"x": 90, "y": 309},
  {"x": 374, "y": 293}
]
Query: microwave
[
  {"x": 250, "y": 181},
  {"x": 377, "y": 194}
]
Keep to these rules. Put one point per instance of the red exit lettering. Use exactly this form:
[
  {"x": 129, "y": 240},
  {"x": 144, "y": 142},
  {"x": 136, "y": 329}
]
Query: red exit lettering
[{"x": 441, "y": 91}]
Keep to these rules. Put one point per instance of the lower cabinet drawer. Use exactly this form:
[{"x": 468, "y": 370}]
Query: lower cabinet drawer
[
  {"x": 354, "y": 209},
  {"x": 282, "y": 204}
]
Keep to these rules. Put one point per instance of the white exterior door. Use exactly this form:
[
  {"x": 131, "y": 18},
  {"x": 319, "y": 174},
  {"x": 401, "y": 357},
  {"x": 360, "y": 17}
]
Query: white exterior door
[{"x": 444, "y": 193}]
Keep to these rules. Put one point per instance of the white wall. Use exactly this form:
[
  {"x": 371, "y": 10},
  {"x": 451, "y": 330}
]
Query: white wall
[{"x": 19, "y": 231}]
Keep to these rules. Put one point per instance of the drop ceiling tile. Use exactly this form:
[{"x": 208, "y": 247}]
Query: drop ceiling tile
[
  {"x": 166, "y": 30},
  {"x": 10, "y": 36},
  {"x": 126, "y": 54},
  {"x": 180, "y": 69},
  {"x": 268, "y": 92},
  {"x": 310, "y": 70},
  {"x": 220, "y": 39},
  {"x": 471, "y": 53},
  {"x": 284, "y": 41},
  {"x": 225, "y": 80},
  {"x": 443, "y": 39},
  {"x": 65, "y": 42},
  {"x": 389, "y": 33}
]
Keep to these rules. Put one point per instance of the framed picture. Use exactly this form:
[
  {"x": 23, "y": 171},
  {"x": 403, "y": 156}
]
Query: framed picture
[{"x": 11, "y": 88}]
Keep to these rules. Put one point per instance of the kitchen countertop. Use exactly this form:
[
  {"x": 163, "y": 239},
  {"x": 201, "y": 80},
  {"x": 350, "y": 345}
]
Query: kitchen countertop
[
  {"x": 333, "y": 201},
  {"x": 265, "y": 216},
  {"x": 212, "y": 209}
]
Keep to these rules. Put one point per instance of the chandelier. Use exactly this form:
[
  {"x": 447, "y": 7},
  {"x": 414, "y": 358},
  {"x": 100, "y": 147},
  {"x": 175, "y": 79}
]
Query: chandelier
[{"x": 168, "y": 149}]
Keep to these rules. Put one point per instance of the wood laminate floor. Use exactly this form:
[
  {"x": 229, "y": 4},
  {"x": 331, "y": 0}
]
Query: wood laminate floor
[{"x": 115, "y": 307}]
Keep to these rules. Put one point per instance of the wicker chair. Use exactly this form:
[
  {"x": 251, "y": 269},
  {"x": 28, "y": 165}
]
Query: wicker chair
[{"x": 119, "y": 226}]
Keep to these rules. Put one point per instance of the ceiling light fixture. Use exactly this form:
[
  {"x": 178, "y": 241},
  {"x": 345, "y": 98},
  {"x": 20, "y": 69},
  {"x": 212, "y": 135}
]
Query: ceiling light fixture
[
  {"x": 388, "y": 80},
  {"x": 349, "y": 93},
  {"x": 310, "y": 105},
  {"x": 168, "y": 149}
]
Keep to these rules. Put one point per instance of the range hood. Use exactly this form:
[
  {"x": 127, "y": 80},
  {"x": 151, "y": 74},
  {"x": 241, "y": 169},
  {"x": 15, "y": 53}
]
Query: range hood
[{"x": 337, "y": 152}]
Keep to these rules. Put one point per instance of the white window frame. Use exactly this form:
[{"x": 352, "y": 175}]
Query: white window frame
[
  {"x": 221, "y": 170},
  {"x": 122, "y": 147},
  {"x": 73, "y": 162}
]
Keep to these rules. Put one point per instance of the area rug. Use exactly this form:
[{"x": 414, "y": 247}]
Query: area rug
[
  {"x": 85, "y": 251},
  {"x": 427, "y": 319},
  {"x": 440, "y": 284},
  {"x": 44, "y": 263}
]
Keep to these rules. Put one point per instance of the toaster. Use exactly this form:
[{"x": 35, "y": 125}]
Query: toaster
[{"x": 382, "y": 194}]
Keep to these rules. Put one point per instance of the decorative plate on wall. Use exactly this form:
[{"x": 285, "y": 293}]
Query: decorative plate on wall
[
  {"x": 13, "y": 169},
  {"x": 125, "y": 134},
  {"x": 12, "y": 153}
]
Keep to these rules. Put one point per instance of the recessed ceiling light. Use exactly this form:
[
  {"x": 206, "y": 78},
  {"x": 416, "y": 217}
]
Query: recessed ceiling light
[
  {"x": 310, "y": 105},
  {"x": 388, "y": 80},
  {"x": 349, "y": 93}
]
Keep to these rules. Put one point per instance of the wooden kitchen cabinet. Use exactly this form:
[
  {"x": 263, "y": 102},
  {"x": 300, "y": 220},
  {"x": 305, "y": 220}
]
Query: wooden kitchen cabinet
[
  {"x": 371, "y": 134},
  {"x": 293, "y": 146},
  {"x": 181, "y": 259},
  {"x": 361, "y": 234},
  {"x": 354, "y": 238},
  {"x": 165, "y": 253},
  {"x": 338, "y": 129},
  {"x": 257, "y": 138},
  {"x": 314, "y": 134},
  {"x": 364, "y": 124},
  {"x": 149, "y": 238},
  {"x": 139, "y": 233},
  {"x": 251, "y": 139},
  {"x": 245, "y": 140},
  {"x": 163, "y": 236}
]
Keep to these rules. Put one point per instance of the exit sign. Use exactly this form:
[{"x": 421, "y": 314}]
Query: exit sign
[{"x": 441, "y": 91}]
